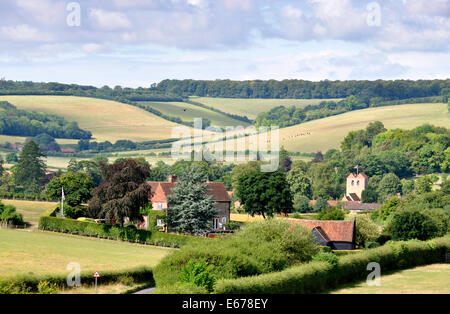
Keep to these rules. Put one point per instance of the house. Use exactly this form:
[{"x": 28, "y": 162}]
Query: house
[
  {"x": 356, "y": 184},
  {"x": 337, "y": 234},
  {"x": 356, "y": 207},
  {"x": 218, "y": 192},
  {"x": 68, "y": 150}
]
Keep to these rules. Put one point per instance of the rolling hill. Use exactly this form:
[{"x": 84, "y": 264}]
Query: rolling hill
[
  {"x": 327, "y": 133},
  {"x": 188, "y": 112},
  {"x": 107, "y": 120},
  {"x": 252, "y": 107}
]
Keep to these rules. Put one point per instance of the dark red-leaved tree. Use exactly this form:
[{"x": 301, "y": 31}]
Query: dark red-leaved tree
[{"x": 122, "y": 193}]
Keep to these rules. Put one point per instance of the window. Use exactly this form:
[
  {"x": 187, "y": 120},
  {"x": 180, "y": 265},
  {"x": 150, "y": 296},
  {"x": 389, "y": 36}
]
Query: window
[
  {"x": 357, "y": 183},
  {"x": 215, "y": 223},
  {"x": 353, "y": 182},
  {"x": 160, "y": 223},
  {"x": 160, "y": 206}
]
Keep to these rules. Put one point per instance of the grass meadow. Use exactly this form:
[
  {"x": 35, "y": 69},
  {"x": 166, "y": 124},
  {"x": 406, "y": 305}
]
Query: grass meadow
[
  {"x": 107, "y": 120},
  {"x": 328, "y": 133},
  {"x": 188, "y": 113},
  {"x": 430, "y": 279},
  {"x": 252, "y": 107},
  {"x": 30, "y": 210},
  {"x": 37, "y": 253}
]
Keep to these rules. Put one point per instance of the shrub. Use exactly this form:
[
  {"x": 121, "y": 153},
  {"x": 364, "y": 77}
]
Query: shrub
[
  {"x": 302, "y": 204},
  {"x": 259, "y": 248},
  {"x": 331, "y": 214},
  {"x": 88, "y": 228},
  {"x": 328, "y": 257},
  {"x": 181, "y": 288},
  {"x": 9, "y": 215},
  {"x": 45, "y": 287},
  {"x": 316, "y": 277},
  {"x": 412, "y": 224},
  {"x": 197, "y": 274},
  {"x": 366, "y": 231},
  {"x": 321, "y": 204}
]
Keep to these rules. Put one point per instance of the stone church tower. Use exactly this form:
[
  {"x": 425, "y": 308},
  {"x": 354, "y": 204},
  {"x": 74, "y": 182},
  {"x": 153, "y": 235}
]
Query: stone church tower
[{"x": 356, "y": 184}]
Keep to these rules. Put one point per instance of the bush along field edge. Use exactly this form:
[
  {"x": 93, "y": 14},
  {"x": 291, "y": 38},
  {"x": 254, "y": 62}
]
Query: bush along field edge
[
  {"x": 320, "y": 277},
  {"x": 104, "y": 231}
]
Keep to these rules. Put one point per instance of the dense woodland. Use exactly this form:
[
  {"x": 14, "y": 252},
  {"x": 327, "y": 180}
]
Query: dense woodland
[
  {"x": 117, "y": 93},
  {"x": 175, "y": 90},
  {"x": 292, "y": 89},
  {"x": 18, "y": 122}
]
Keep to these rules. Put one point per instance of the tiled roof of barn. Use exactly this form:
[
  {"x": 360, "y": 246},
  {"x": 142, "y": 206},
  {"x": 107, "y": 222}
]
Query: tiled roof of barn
[
  {"x": 337, "y": 231},
  {"x": 216, "y": 190}
]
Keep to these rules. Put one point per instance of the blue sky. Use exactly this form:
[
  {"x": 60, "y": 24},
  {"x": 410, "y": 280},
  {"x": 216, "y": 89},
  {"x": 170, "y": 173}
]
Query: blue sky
[{"x": 140, "y": 42}]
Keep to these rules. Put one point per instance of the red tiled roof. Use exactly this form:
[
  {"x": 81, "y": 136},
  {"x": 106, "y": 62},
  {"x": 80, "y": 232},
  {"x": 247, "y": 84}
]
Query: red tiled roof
[
  {"x": 361, "y": 175},
  {"x": 360, "y": 206},
  {"x": 67, "y": 150},
  {"x": 217, "y": 190},
  {"x": 337, "y": 231},
  {"x": 331, "y": 203}
]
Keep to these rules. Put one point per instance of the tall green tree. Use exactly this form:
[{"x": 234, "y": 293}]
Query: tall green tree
[
  {"x": 123, "y": 192},
  {"x": 390, "y": 185},
  {"x": 30, "y": 169},
  {"x": 191, "y": 210},
  {"x": 265, "y": 193},
  {"x": 77, "y": 186},
  {"x": 298, "y": 179}
]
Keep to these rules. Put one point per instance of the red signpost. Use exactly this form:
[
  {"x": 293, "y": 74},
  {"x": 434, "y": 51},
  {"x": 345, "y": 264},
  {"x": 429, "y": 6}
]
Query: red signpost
[{"x": 96, "y": 275}]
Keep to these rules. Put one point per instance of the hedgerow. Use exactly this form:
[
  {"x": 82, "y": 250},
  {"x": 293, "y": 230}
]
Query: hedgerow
[
  {"x": 260, "y": 248},
  {"x": 316, "y": 277},
  {"x": 104, "y": 231},
  {"x": 33, "y": 284}
]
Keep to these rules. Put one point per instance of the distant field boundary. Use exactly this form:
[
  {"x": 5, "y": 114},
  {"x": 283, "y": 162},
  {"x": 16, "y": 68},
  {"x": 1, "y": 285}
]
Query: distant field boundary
[{"x": 232, "y": 116}]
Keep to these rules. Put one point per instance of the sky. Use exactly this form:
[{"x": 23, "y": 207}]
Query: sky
[{"x": 136, "y": 43}]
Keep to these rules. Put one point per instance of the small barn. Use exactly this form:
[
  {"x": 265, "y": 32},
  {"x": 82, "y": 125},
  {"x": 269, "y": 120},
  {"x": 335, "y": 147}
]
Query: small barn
[{"x": 337, "y": 234}]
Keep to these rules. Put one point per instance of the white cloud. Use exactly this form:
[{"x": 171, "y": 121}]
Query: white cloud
[
  {"x": 24, "y": 33},
  {"x": 44, "y": 11},
  {"x": 110, "y": 21}
]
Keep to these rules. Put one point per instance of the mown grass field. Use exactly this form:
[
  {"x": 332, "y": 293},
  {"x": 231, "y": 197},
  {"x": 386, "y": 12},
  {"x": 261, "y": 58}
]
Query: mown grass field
[
  {"x": 328, "y": 133},
  {"x": 21, "y": 139},
  {"x": 107, "y": 120},
  {"x": 30, "y": 210},
  {"x": 252, "y": 107},
  {"x": 36, "y": 253},
  {"x": 430, "y": 279},
  {"x": 188, "y": 113}
]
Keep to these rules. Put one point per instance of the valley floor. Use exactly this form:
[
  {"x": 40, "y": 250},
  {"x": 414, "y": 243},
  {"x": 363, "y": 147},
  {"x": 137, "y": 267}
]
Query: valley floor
[{"x": 430, "y": 279}]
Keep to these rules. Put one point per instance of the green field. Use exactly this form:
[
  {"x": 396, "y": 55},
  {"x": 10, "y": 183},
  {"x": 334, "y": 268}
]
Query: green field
[
  {"x": 21, "y": 139},
  {"x": 36, "y": 253},
  {"x": 30, "y": 210},
  {"x": 328, "y": 133},
  {"x": 107, "y": 120},
  {"x": 188, "y": 113},
  {"x": 431, "y": 279},
  {"x": 252, "y": 107}
]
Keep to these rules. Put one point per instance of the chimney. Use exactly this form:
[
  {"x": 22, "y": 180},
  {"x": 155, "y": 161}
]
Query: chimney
[{"x": 172, "y": 179}]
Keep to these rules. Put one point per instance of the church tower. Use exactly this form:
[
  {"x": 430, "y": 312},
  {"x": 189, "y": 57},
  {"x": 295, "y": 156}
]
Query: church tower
[{"x": 356, "y": 184}]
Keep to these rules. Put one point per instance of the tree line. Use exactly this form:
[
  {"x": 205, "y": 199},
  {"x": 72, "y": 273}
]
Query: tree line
[
  {"x": 301, "y": 89},
  {"x": 18, "y": 122}
]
